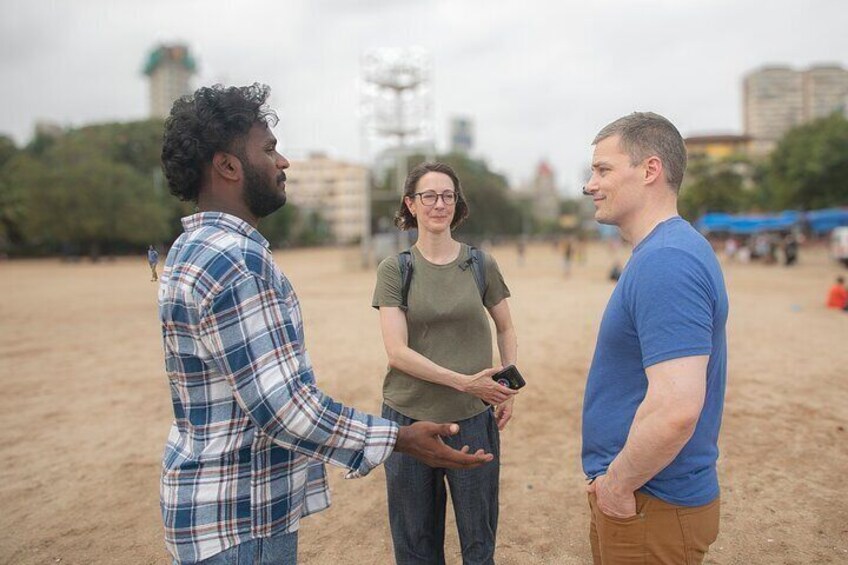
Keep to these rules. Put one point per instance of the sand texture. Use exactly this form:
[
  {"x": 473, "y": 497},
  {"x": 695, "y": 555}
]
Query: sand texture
[{"x": 86, "y": 410}]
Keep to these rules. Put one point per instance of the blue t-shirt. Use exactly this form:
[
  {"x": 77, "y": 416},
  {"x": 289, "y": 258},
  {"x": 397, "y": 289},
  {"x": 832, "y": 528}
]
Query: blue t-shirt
[
  {"x": 152, "y": 256},
  {"x": 670, "y": 302}
]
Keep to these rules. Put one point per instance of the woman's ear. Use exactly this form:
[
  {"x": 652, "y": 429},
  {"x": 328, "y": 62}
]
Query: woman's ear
[{"x": 410, "y": 205}]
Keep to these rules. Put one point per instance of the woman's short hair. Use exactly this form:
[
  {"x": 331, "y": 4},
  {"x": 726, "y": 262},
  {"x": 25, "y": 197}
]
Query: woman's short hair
[{"x": 404, "y": 219}]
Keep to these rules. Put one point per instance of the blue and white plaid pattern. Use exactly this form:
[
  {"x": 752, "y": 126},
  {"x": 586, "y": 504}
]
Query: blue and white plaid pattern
[{"x": 251, "y": 429}]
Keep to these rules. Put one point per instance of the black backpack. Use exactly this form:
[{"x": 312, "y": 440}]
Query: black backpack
[{"x": 476, "y": 260}]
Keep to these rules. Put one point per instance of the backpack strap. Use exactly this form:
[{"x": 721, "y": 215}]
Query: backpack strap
[
  {"x": 405, "y": 266},
  {"x": 478, "y": 267}
]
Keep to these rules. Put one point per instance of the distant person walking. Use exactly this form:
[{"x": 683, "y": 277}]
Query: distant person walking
[
  {"x": 731, "y": 247},
  {"x": 790, "y": 250},
  {"x": 655, "y": 392},
  {"x": 521, "y": 249},
  {"x": 153, "y": 261},
  {"x": 567, "y": 254}
]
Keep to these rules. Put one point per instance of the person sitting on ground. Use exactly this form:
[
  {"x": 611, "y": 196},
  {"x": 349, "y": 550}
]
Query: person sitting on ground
[{"x": 837, "y": 297}]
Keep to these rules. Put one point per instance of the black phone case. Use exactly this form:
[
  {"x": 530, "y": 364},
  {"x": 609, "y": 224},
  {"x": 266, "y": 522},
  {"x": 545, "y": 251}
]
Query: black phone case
[{"x": 509, "y": 377}]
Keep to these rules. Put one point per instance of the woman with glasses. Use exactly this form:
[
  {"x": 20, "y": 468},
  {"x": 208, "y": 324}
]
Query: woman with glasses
[{"x": 440, "y": 356}]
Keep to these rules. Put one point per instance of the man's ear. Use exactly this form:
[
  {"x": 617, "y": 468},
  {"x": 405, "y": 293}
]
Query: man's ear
[
  {"x": 226, "y": 165},
  {"x": 653, "y": 169}
]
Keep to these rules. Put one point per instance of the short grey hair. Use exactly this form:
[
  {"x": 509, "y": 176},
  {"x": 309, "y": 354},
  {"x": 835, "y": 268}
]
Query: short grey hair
[{"x": 644, "y": 134}]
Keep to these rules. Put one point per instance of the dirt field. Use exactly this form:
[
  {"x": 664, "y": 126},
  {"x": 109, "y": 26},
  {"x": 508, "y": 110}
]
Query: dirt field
[{"x": 86, "y": 409}]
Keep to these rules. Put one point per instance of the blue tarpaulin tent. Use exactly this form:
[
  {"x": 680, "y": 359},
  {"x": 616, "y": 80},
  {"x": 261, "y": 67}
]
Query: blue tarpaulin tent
[
  {"x": 820, "y": 221},
  {"x": 748, "y": 224}
]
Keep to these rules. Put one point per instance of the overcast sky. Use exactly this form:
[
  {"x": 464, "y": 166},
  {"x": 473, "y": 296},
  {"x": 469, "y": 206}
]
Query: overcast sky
[{"x": 539, "y": 78}]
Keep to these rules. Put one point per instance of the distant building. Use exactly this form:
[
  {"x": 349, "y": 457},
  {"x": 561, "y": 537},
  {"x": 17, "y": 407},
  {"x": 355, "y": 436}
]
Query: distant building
[
  {"x": 716, "y": 146},
  {"x": 545, "y": 197},
  {"x": 461, "y": 135},
  {"x": 778, "y": 98},
  {"x": 170, "y": 68},
  {"x": 541, "y": 194},
  {"x": 334, "y": 189},
  {"x": 825, "y": 90}
]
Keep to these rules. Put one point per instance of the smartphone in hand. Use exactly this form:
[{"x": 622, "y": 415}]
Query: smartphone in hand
[{"x": 509, "y": 377}]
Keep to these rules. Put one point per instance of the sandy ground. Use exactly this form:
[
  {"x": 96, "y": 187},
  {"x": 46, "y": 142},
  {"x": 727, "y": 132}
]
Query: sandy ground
[{"x": 85, "y": 411}]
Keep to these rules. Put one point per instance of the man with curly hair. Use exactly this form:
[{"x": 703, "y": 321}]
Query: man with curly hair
[{"x": 251, "y": 430}]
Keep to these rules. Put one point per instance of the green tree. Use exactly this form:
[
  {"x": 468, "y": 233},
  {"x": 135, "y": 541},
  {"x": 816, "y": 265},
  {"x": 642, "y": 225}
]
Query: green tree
[
  {"x": 8, "y": 149},
  {"x": 715, "y": 186},
  {"x": 492, "y": 210},
  {"x": 12, "y": 206},
  {"x": 76, "y": 196},
  {"x": 278, "y": 228},
  {"x": 809, "y": 167}
]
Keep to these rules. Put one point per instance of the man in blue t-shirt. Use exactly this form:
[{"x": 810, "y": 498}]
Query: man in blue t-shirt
[{"x": 655, "y": 391}]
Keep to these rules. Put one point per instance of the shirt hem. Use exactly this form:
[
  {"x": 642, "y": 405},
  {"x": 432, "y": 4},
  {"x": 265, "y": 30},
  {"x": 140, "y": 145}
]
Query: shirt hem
[
  {"x": 404, "y": 412},
  {"x": 677, "y": 354}
]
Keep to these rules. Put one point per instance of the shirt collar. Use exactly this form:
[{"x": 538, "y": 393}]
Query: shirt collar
[
  {"x": 224, "y": 221},
  {"x": 656, "y": 228}
]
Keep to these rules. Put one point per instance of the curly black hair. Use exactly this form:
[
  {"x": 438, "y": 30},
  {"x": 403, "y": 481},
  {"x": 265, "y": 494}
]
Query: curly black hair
[{"x": 215, "y": 118}]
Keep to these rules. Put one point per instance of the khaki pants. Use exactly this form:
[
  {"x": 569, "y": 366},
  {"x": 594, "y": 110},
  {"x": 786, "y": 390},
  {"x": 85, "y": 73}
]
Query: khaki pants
[{"x": 659, "y": 533}]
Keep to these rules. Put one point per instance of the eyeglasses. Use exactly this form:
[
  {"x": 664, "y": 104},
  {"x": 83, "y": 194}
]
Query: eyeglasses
[{"x": 430, "y": 197}]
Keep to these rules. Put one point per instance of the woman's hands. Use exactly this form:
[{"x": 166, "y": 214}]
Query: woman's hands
[
  {"x": 483, "y": 387},
  {"x": 503, "y": 412}
]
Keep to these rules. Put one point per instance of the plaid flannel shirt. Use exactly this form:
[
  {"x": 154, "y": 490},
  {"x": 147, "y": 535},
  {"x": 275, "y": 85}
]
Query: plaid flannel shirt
[{"x": 251, "y": 430}]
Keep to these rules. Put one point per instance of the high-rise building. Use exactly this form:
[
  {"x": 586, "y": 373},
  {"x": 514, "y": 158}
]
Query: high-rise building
[
  {"x": 773, "y": 104},
  {"x": 778, "y": 98},
  {"x": 825, "y": 90},
  {"x": 170, "y": 68},
  {"x": 335, "y": 190},
  {"x": 461, "y": 135}
]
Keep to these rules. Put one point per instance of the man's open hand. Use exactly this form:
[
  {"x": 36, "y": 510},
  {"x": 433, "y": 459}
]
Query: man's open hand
[{"x": 423, "y": 440}]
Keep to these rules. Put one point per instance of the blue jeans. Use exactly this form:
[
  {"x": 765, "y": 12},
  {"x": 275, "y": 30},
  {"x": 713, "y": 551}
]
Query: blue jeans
[
  {"x": 417, "y": 498},
  {"x": 280, "y": 549}
]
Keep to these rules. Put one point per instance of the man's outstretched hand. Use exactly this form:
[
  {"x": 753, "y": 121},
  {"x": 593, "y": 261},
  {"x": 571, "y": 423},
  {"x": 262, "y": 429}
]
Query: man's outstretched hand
[{"x": 423, "y": 440}]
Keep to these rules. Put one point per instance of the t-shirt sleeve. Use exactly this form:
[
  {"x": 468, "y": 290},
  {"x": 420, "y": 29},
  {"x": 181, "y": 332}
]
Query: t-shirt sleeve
[
  {"x": 496, "y": 289},
  {"x": 672, "y": 304},
  {"x": 387, "y": 291}
]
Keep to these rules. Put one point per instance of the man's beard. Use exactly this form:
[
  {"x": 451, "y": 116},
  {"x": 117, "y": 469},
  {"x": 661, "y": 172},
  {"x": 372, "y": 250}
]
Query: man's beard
[{"x": 261, "y": 197}]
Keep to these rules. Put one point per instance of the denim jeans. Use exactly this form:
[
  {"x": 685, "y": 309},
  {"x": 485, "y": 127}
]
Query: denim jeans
[
  {"x": 417, "y": 498},
  {"x": 280, "y": 549}
]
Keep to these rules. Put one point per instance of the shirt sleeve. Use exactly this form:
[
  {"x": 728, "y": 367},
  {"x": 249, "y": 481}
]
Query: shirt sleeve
[
  {"x": 496, "y": 289},
  {"x": 388, "y": 290},
  {"x": 672, "y": 304},
  {"x": 254, "y": 343}
]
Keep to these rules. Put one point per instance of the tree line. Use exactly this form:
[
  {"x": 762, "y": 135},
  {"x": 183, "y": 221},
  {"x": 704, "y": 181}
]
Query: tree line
[
  {"x": 99, "y": 190},
  {"x": 808, "y": 170}
]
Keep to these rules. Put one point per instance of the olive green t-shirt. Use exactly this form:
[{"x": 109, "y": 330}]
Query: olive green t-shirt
[{"x": 448, "y": 324}]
